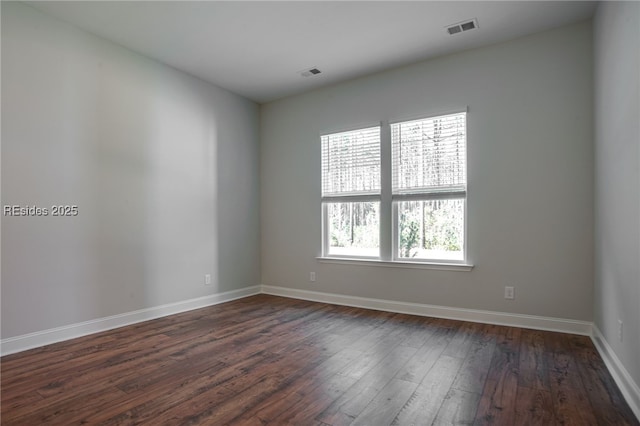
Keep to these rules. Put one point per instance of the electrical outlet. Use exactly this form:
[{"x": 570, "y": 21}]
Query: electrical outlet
[
  {"x": 509, "y": 293},
  {"x": 207, "y": 279},
  {"x": 312, "y": 277},
  {"x": 620, "y": 330}
]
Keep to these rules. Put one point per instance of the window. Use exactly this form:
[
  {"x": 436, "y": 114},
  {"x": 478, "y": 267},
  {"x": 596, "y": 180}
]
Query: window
[
  {"x": 419, "y": 192},
  {"x": 429, "y": 187},
  {"x": 351, "y": 193}
]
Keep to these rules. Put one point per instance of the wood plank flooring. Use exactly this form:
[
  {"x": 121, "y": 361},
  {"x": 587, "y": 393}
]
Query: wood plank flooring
[{"x": 267, "y": 360}]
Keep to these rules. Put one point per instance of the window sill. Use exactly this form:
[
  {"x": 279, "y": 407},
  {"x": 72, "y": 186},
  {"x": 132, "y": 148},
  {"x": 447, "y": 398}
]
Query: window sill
[{"x": 397, "y": 264}]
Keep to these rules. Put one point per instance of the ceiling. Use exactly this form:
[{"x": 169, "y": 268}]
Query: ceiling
[{"x": 256, "y": 49}]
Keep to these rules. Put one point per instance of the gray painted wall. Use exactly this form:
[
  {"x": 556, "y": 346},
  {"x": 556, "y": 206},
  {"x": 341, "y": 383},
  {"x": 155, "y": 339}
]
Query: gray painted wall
[
  {"x": 617, "y": 189},
  {"x": 530, "y": 164},
  {"x": 162, "y": 166}
]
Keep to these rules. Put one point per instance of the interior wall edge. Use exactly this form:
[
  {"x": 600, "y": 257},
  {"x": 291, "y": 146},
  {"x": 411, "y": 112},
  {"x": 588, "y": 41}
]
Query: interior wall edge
[{"x": 629, "y": 388}]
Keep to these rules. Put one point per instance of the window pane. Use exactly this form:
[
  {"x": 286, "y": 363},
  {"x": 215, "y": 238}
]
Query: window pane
[
  {"x": 431, "y": 229},
  {"x": 354, "y": 229},
  {"x": 351, "y": 162},
  {"x": 429, "y": 154}
]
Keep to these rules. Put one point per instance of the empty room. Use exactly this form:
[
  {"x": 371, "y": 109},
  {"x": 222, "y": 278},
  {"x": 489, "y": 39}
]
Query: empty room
[{"x": 320, "y": 213}]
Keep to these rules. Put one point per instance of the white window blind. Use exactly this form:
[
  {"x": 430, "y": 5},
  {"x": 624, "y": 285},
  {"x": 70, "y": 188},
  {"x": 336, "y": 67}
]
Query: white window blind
[
  {"x": 429, "y": 155},
  {"x": 351, "y": 163}
]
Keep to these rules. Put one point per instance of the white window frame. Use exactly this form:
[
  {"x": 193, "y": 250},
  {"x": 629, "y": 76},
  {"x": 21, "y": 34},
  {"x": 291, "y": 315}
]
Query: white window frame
[
  {"x": 388, "y": 210},
  {"x": 348, "y": 198},
  {"x": 396, "y": 223},
  {"x": 426, "y": 195},
  {"x": 325, "y": 224}
]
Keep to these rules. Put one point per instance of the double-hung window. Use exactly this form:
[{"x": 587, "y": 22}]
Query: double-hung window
[
  {"x": 429, "y": 188},
  {"x": 351, "y": 193},
  {"x": 420, "y": 191}
]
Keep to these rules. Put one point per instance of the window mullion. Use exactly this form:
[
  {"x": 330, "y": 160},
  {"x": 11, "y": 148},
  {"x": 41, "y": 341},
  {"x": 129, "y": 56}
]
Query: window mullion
[
  {"x": 325, "y": 230},
  {"x": 386, "y": 214}
]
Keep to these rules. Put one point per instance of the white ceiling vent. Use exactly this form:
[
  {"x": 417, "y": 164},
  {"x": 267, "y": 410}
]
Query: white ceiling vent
[
  {"x": 462, "y": 26},
  {"x": 309, "y": 72}
]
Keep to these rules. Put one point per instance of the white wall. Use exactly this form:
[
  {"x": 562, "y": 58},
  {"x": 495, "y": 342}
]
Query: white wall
[
  {"x": 617, "y": 201},
  {"x": 530, "y": 150},
  {"x": 163, "y": 168}
]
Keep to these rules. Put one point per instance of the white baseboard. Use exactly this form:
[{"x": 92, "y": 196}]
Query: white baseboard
[
  {"x": 58, "y": 334},
  {"x": 41, "y": 338},
  {"x": 487, "y": 317},
  {"x": 629, "y": 388}
]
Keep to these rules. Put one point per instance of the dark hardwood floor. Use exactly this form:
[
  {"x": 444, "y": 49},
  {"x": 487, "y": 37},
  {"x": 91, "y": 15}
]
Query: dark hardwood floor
[{"x": 271, "y": 360}]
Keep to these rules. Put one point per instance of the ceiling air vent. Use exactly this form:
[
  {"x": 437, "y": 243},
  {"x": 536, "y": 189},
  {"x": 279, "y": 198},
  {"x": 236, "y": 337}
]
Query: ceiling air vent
[
  {"x": 462, "y": 26},
  {"x": 309, "y": 72},
  {"x": 454, "y": 29}
]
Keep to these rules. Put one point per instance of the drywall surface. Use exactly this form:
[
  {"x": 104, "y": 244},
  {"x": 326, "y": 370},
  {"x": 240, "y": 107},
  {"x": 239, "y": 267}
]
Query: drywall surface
[
  {"x": 530, "y": 168},
  {"x": 617, "y": 188},
  {"x": 163, "y": 169}
]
